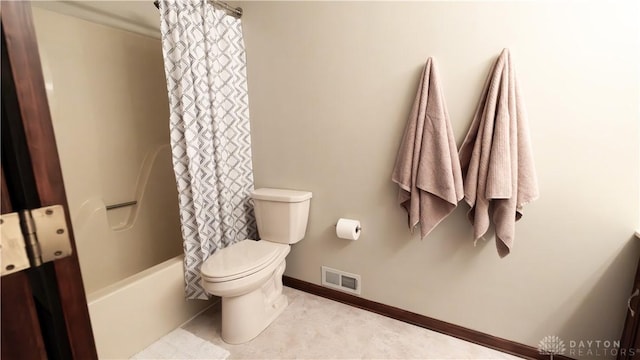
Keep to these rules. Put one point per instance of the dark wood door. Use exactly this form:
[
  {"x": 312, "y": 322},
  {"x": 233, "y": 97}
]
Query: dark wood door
[
  {"x": 44, "y": 309},
  {"x": 20, "y": 324},
  {"x": 630, "y": 341}
]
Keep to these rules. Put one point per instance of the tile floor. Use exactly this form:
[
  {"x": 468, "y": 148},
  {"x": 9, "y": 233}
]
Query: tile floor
[
  {"x": 181, "y": 344},
  {"x": 316, "y": 328}
]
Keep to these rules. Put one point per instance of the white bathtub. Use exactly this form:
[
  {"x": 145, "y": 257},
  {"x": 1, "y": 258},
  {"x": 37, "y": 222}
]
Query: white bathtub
[{"x": 131, "y": 314}]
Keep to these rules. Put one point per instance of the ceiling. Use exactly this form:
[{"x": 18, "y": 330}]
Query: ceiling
[{"x": 137, "y": 16}]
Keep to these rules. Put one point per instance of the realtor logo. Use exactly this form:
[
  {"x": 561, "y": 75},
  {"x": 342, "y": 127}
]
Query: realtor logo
[{"x": 551, "y": 345}]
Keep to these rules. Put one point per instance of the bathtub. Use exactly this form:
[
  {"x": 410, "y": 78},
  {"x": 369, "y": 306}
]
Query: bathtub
[{"x": 132, "y": 313}]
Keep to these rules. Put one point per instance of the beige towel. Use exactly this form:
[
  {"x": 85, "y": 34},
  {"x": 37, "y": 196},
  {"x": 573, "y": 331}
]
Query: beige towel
[
  {"x": 427, "y": 168},
  {"x": 496, "y": 157}
]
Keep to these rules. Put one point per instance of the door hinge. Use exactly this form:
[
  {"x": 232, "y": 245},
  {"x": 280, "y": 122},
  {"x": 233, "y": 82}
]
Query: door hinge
[{"x": 33, "y": 237}]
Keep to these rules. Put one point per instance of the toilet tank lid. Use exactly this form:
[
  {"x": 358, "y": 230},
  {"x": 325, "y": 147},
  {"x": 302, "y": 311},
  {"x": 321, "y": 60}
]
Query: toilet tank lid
[{"x": 280, "y": 195}]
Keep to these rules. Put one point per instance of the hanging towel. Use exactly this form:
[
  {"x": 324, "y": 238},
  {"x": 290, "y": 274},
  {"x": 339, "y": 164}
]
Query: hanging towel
[
  {"x": 427, "y": 168},
  {"x": 496, "y": 158}
]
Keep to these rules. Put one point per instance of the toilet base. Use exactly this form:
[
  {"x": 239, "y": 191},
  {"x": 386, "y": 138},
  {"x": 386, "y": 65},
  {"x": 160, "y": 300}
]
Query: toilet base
[{"x": 244, "y": 317}]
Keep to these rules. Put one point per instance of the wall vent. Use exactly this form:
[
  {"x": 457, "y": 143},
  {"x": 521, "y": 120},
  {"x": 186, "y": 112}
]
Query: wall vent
[{"x": 341, "y": 280}]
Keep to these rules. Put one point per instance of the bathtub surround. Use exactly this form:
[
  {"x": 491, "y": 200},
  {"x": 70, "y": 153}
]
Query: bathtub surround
[
  {"x": 205, "y": 68},
  {"x": 107, "y": 96},
  {"x": 427, "y": 168},
  {"x": 496, "y": 157},
  {"x": 332, "y": 84}
]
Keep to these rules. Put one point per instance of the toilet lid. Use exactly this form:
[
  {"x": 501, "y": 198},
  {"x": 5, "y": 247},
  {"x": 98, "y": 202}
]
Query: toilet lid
[{"x": 242, "y": 258}]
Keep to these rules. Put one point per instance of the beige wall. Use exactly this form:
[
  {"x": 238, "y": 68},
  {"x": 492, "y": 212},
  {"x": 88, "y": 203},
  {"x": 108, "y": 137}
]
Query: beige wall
[
  {"x": 331, "y": 85},
  {"x": 108, "y": 99}
]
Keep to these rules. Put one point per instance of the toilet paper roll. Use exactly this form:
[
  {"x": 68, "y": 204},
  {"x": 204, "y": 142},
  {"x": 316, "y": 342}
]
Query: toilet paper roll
[{"x": 348, "y": 229}]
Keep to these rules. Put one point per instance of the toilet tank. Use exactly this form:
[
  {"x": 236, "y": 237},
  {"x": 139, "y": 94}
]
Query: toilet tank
[{"x": 281, "y": 214}]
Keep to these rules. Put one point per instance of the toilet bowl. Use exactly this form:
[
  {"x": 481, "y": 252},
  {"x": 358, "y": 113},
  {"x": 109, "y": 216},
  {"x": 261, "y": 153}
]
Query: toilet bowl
[{"x": 247, "y": 275}]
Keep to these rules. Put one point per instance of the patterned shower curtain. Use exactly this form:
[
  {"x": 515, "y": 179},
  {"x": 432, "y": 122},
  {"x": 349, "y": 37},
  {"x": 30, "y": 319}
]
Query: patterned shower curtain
[{"x": 204, "y": 60}]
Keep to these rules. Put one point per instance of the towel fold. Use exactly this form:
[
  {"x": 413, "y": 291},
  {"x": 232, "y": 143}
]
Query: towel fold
[
  {"x": 496, "y": 157},
  {"x": 427, "y": 167}
]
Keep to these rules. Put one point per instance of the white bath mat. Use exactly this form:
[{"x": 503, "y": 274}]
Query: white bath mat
[{"x": 181, "y": 344}]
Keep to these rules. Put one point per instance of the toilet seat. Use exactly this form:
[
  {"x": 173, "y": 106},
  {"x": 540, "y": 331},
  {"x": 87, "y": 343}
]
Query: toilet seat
[{"x": 241, "y": 260}]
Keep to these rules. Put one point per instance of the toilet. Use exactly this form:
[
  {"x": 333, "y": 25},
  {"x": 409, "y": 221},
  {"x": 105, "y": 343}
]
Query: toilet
[{"x": 247, "y": 275}]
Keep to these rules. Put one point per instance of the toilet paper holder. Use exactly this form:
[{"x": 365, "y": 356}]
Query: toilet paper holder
[{"x": 358, "y": 228}]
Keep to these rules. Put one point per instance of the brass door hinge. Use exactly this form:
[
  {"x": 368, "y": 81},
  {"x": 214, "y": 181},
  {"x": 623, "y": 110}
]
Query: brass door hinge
[{"x": 33, "y": 237}]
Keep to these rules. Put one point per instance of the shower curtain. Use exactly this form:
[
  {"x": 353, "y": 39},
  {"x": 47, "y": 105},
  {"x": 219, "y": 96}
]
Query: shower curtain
[{"x": 204, "y": 60}]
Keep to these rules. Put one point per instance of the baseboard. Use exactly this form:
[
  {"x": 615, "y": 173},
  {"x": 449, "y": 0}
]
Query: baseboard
[{"x": 440, "y": 326}]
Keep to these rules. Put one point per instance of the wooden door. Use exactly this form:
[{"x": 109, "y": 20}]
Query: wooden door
[
  {"x": 44, "y": 309},
  {"x": 20, "y": 324},
  {"x": 630, "y": 340}
]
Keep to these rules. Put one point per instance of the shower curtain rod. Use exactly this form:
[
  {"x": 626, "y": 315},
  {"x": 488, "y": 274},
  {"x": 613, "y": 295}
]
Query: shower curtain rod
[{"x": 235, "y": 12}]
